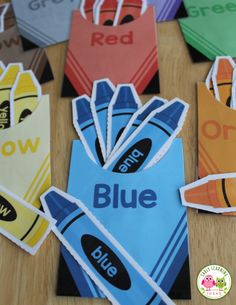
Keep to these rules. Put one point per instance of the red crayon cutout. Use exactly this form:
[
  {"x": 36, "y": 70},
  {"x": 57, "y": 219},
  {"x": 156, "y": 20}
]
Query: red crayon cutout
[
  {"x": 88, "y": 9},
  {"x": 129, "y": 11},
  {"x": 108, "y": 12},
  {"x": 120, "y": 53}
]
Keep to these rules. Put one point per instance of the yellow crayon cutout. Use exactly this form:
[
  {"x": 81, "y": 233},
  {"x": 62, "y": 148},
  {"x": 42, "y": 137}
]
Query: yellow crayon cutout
[
  {"x": 2, "y": 67},
  {"x": 25, "y": 96},
  {"x": 7, "y": 80},
  {"x": 21, "y": 223},
  {"x": 222, "y": 79},
  {"x": 214, "y": 193}
]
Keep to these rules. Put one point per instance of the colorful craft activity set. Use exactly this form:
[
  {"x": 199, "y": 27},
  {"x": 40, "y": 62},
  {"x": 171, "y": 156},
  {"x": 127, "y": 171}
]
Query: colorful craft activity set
[{"x": 126, "y": 173}]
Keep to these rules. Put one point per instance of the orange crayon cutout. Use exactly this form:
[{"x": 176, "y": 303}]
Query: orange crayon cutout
[
  {"x": 219, "y": 193},
  {"x": 130, "y": 10},
  {"x": 209, "y": 82},
  {"x": 211, "y": 88},
  {"x": 224, "y": 80},
  {"x": 108, "y": 12},
  {"x": 88, "y": 8}
]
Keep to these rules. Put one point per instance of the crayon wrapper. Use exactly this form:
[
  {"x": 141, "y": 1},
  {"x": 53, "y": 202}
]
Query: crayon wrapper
[
  {"x": 22, "y": 224},
  {"x": 103, "y": 258}
]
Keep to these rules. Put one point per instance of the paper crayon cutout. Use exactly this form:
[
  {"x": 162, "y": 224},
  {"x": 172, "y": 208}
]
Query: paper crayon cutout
[
  {"x": 87, "y": 8},
  {"x": 137, "y": 118},
  {"x": 21, "y": 223},
  {"x": 125, "y": 102},
  {"x": 25, "y": 96},
  {"x": 209, "y": 29},
  {"x": 7, "y": 81},
  {"x": 101, "y": 256},
  {"x": 221, "y": 80},
  {"x": 168, "y": 10},
  {"x": 151, "y": 140},
  {"x": 102, "y": 93},
  {"x": 103, "y": 58},
  {"x": 106, "y": 12},
  {"x": 208, "y": 80},
  {"x": 214, "y": 193},
  {"x": 2, "y": 67},
  {"x": 222, "y": 76},
  {"x": 129, "y": 10},
  {"x": 84, "y": 125}
]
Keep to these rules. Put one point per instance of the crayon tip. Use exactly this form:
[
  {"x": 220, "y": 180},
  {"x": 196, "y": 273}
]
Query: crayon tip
[
  {"x": 204, "y": 194},
  {"x": 25, "y": 84},
  {"x": 198, "y": 194},
  {"x": 225, "y": 69},
  {"x": 59, "y": 206},
  {"x": 104, "y": 92},
  {"x": 81, "y": 107},
  {"x": 156, "y": 103},
  {"x": 10, "y": 74},
  {"x": 172, "y": 114},
  {"x": 126, "y": 98}
]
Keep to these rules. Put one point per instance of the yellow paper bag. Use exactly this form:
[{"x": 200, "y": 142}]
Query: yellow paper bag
[{"x": 25, "y": 155}]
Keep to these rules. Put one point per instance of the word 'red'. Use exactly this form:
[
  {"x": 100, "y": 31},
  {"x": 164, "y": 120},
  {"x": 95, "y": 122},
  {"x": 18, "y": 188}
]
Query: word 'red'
[{"x": 100, "y": 39}]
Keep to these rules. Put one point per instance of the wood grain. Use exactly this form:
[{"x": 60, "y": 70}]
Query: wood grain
[{"x": 26, "y": 280}]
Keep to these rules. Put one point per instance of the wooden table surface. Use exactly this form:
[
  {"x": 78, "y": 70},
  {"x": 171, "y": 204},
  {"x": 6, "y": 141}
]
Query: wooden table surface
[{"x": 27, "y": 280}]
